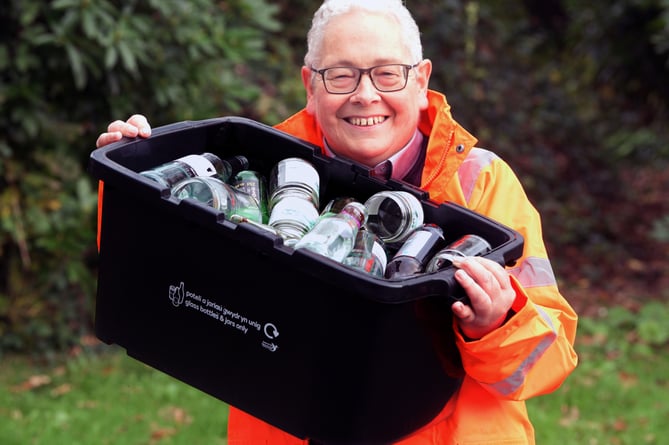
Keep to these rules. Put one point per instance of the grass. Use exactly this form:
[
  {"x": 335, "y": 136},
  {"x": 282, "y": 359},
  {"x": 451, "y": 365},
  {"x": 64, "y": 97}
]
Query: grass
[
  {"x": 103, "y": 398},
  {"x": 617, "y": 395}
]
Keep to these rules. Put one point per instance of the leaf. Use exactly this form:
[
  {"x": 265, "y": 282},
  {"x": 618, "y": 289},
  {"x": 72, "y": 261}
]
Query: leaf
[
  {"x": 111, "y": 56},
  {"x": 628, "y": 380},
  {"x": 77, "y": 66},
  {"x": 34, "y": 381},
  {"x": 64, "y": 4},
  {"x": 160, "y": 433},
  {"x": 61, "y": 389},
  {"x": 88, "y": 23},
  {"x": 127, "y": 56}
]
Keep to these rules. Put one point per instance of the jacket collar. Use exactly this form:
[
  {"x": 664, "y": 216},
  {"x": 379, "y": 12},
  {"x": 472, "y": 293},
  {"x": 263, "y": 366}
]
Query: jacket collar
[{"x": 448, "y": 145}]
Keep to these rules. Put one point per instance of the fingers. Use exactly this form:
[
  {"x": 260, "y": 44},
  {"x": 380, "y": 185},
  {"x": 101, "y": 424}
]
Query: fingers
[
  {"x": 136, "y": 125},
  {"x": 108, "y": 138},
  {"x": 500, "y": 274},
  {"x": 140, "y": 122},
  {"x": 490, "y": 294},
  {"x": 478, "y": 280},
  {"x": 480, "y": 274},
  {"x": 463, "y": 312}
]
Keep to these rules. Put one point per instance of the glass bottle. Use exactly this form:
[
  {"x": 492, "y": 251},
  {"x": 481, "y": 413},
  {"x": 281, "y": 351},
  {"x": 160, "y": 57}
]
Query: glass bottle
[
  {"x": 335, "y": 205},
  {"x": 255, "y": 184},
  {"x": 205, "y": 164},
  {"x": 219, "y": 195},
  {"x": 412, "y": 256},
  {"x": 468, "y": 245},
  {"x": 368, "y": 254},
  {"x": 293, "y": 201},
  {"x": 334, "y": 236},
  {"x": 393, "y": 215}
]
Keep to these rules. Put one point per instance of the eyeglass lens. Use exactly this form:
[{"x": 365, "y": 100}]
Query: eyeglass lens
[{"x": 385, "y": 78}]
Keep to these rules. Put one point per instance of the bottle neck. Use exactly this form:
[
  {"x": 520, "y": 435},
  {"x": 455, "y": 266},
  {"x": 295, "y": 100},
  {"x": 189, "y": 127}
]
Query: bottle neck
[{"x": 356, "y": 212}]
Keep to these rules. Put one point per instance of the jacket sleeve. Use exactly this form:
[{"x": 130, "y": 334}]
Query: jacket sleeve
[{"x": 532, "y": 353}]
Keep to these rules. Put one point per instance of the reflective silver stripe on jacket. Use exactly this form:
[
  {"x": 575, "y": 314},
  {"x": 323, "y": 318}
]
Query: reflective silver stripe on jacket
[
  {"x": 532, "y": 272},
  {"x": 477, "y": 159},
  {"x": 511, "y": 384}
]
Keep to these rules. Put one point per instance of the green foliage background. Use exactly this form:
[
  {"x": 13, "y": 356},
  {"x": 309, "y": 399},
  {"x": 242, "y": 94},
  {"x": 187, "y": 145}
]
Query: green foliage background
[{"x": 574, "y": 95}]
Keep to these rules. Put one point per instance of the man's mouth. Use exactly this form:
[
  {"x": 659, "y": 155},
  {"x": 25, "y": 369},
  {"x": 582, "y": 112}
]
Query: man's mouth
[{"x": 366, "y": 121}]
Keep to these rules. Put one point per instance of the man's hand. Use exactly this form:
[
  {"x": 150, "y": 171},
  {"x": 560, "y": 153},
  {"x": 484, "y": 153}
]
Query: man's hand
[
  {"x": 490, "y": 294},
  {"x": 137, "y": 125}
]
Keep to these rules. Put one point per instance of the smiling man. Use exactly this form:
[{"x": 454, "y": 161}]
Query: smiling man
[
  {"x": 368, "y": 100},
  {"x": 358, "y": 88}
]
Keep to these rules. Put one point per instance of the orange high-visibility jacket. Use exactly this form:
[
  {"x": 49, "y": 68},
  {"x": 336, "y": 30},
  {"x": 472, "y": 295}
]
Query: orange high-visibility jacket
[{"x": 530, "y": 355}]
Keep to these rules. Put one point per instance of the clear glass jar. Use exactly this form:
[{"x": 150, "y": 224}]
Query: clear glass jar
[
  {"x": 293, "y": 198},
  {"x": 468, "y": 245},
  {"x": 294, "y": 176},
  {"x": 293, "y": 216},
  {"x": 393, "y": 215},
  {"x": 217, "y": 194}
]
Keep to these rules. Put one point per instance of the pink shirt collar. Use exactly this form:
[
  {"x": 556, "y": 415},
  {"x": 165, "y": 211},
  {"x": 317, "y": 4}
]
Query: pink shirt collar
[{"x": 402, "y": 161}]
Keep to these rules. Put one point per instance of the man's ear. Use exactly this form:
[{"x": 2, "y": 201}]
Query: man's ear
[
  {"x": 423, "y": 73},
  {"x": 307, "y": 81}
]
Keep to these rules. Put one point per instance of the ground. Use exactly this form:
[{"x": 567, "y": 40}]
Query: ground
[{"x": 632, "y": 266}]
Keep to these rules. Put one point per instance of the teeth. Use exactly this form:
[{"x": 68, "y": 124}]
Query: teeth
[{"x": 365, "y": 122}]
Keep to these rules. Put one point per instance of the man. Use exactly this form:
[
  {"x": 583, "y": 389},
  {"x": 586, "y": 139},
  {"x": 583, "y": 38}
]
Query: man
[{"x": 368, "y": 100}]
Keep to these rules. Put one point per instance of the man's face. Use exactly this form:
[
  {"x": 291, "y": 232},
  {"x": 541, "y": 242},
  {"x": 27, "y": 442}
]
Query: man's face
[{"x": 366, "y": 125}]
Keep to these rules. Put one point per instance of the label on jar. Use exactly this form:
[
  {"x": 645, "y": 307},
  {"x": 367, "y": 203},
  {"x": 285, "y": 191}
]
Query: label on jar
[
  {"x": 294, "y": 210},
  {"x": 200, "y": 165},
  {"x": 296, "y": 170},
  {"x": 414, "y": 244}
]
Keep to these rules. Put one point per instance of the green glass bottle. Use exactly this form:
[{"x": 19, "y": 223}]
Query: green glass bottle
[{"x": 254, "y": 184}]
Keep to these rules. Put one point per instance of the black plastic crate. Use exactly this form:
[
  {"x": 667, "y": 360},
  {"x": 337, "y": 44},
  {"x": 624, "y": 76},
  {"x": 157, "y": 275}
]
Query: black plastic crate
[{"x": 306, "y": 344}]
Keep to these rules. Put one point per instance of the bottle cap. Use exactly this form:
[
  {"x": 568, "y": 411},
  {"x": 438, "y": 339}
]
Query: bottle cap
[{"x": 238, "y": 163}]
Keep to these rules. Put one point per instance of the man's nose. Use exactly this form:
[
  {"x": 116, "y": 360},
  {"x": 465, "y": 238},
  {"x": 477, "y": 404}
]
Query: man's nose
[{"x": 366, "y": 89}]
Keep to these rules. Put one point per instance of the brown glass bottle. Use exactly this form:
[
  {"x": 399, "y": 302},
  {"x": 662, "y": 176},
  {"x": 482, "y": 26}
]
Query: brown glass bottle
[{"x": 413, "y": 255}]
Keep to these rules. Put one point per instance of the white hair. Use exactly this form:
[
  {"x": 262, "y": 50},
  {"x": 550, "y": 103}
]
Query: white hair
[{"x": 396, "y": 9}]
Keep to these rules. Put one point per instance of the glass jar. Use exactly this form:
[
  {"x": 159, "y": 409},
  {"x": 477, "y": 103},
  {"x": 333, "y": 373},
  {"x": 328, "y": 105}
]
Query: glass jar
[
  {"x": 217, "y": 194},
  {"x": 393, "y": 215},
  {"x": 468, "y": 245},
  {"x": 296, "y": 177},
  {"x": 294, "y": 196}
]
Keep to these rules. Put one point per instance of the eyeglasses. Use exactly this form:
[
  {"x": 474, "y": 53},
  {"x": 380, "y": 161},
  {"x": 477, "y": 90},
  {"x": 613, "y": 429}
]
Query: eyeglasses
[{"x": 385, "y": 78}]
